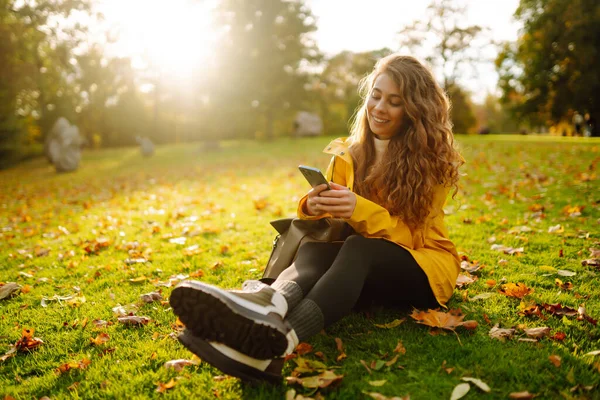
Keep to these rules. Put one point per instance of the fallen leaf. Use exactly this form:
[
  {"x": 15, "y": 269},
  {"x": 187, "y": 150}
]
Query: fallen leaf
[
  {"x": 400, "y": 348},
  {"x": 592, "y": 262},
  {"x": 379, "y": 396},
  {"x": 76, "y": 301},
  {"x": 392, "y": 324},
  {"x": 518, "y": 290},
  {"x": 470, "y": 266},
  {"x": 556, "y": 229},
  {"x": 556, "y": 360},
  {"x": 100, "y": 339},
  {"x": 581, "y": 315},
  {"x": 438, "y": 319},
  {"x": 490, "y": 283},
  {"x": 179, "y": 364},
  {"x": 324, "y": 379},
  {"x": 564, "y": 272},
  {"x": 340, "y": 349},
  {"x": 460, "y": 391},
  {"x": 521, "y": 395},
  {"x": 592, "y": 353},
  {"x": 559, "y": 336},
  {"x": 378, "y": 383},
  {"x": 392, "y": 361},
  {"x": 500, "y": 333},
  {"x": 563, "y": 286},
  {"x": 470, "y": 325},
  {"x": 303, "y": 348},
  {"x": 477, "y": 382},
  {"x": 364, "y": 364},
  {"x": 83, "y": 364},
  {"x": 10, "y": 353},
  {"x": 481, "y": 296},
  {"x": 151, "y": 297},
  {"x": 558, "y": 310},
  {"x": 507, "y": 250},
  {"x": 163, "y": 387},
  {"x": 537, "y": 333},
  {"x": 134, "y": 320},
  {"x": 9, "y": 290},
  {"x": 27, "y": 341},
  {"x": 465, "y": 279}
]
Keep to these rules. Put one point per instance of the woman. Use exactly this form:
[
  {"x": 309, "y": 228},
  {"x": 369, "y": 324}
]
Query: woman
[{"x": 390, "y": 179}]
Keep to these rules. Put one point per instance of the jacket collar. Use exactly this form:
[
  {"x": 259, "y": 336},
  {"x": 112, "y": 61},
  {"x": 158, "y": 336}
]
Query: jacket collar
[{"x": 339, "y": 147}]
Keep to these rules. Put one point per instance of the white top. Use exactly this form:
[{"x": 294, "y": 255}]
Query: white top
[{"x": 381, "y": 146}]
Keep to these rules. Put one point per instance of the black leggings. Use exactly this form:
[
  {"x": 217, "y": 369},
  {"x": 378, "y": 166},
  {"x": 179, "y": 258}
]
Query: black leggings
[{"x": 336, "y": 275}]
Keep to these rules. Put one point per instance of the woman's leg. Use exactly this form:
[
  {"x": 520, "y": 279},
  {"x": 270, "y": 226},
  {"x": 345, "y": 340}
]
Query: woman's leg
[
  {"x": 312, "y": 262},
  {"x": 360, "y": 260}
]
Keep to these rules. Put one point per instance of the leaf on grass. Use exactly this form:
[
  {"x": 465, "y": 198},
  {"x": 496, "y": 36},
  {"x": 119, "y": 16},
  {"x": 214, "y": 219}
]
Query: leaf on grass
[
  {"x": 304, "y": 366},
  {"x": 592, "y": 353},
  {"x": 581, "y": 315},
  {"x": 392, "y": 361},
  {"x": 9, "y": 290},
  {"x": 530, "y": 309},
  {"x": 470, "y": 266},
  {"x": 558, "y": 310},
  {"x": 57, "y": 298},
  {"x": 470, "y": 325},
  {"x": 592, "y": 262},
  {"x": 364, "y": 364},
  {"x": 547, "y": 268},
  {"x": 303, "y": 348},
  {"x": 379, "y": 396},
  {"x": 100, "y": 339},
  {"x": 179, "y": 364},
  {"x": 438, "y": 319},
  {"x": 83, "y": 364},
  {"x": 378, "y": 383},
  {"x": 377, "y": 364},
  {"x": 100, "y": 323},
  {"x": 501, "y": 333},
  {"x": 477, "y": 382},
  {"x": 400, "y": 348},
  {"x": 27, "y": 341},
  {"x": 518, "y": 290},
  {"x": 76, "y": 301},
  {"x": 151, "y": 297},
  {"x": 10, "y": 353},
  {"x": 340, "y": 349},
  {"x": 324, "y": 379},
  {"x": 134, "y": 320},
  {"x": 563, "y": 286},
  {"x": 507, "y": 250},
  {"x": 556, "y": 229},
  {"x": 521, "y": 395},
  {"x": 564, "y": 272},
  {"x": 163, "y": 387},
  {"x": 460, "y": 391},
  {"x": 392, "y": 324},
  {"x": 481, "y": 296},
  {"x": 537, "y": 333},
  {"x": 465, "y": 279},
  {"x": 560, "y": 336},
  {"x": 554, "y": 359}
]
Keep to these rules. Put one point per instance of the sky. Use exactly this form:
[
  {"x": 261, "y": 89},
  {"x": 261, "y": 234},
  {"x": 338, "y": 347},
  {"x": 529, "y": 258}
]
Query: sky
[{"x": 355, "y": 25}]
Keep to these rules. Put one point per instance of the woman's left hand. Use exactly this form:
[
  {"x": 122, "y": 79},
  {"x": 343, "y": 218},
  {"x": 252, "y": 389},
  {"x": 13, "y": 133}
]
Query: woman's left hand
[{"x": 339, "y": 201}]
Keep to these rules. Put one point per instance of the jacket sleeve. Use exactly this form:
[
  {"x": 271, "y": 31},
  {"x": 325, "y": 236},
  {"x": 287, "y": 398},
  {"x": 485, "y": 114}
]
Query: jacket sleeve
[
  {"x": 336, "y": 172},
  {"x": 372, "y": 220}
]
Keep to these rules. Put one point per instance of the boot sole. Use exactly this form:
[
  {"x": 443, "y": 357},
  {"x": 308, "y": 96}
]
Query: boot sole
[
  {"x": 210, "y": 315},
  {"x": 209, "y": 354}
]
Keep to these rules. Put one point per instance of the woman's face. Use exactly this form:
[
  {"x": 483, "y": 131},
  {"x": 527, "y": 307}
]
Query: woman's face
[{"x": 385, "y": 111}]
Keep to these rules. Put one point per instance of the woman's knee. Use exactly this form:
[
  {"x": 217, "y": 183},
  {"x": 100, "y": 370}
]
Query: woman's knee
[{"x": 356, "y": 242}]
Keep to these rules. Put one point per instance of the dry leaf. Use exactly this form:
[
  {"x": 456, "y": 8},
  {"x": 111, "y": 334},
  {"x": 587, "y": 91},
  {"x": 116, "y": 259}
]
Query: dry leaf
[
  {"x": 324, "y": 379},
  {"x": 392, "y": 361},
  {"x": 9, "y": 290},
  {"x": 378, "y": 383},
  {"x": 477, "y": 382},
  {"x": 303, "y": 348},
  {"x": 460, "y": 391},
  {"x": 465, "y": 279},
  {"x": 151, "y": 297},
  {"x": 364, "y": 363},
  {"x": 100, "y": 339},
  {"x": 27, "y": 341},
  {"x": 83, "y": 364},
  {"x": 554, "y": 359},
  {"x": 564, "y": 286},
  {"x": 537, "y": 333},
  {"x": 518, "y": 290},
  {"x": 564, "y": 272},
  {"x": 134, "y": 320},
  {"x": 470, "y": 266},
  {"x": 392, "y": 324},
  {"x": 379, "y": 396},
  {"x": 592, "y": 262},
  {"x": 340, "y": 349},
  {"x": 501, "y": 333},
  {"x": 10, "y": 353},
  {"x": 507, "y": 250},
  {"x": 521, "y": 395},
  {"x": 400, "y": 348},
  {"x": 163, "y": 387},
  {"x": 179, "y": 364}
]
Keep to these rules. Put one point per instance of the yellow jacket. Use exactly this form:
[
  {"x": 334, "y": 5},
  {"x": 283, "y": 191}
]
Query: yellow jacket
[{"x": 429, "y": 245}]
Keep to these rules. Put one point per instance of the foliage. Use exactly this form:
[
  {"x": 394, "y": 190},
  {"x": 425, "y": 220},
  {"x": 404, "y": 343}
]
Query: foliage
[
  {"x": 552, "y": 69},
  {"x": 494, "y": 116},
  {"x": 96, "y": 253}
]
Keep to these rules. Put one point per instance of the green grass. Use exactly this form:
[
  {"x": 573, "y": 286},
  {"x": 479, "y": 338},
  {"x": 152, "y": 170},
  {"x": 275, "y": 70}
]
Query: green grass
[{"x": 118, "y": 195}]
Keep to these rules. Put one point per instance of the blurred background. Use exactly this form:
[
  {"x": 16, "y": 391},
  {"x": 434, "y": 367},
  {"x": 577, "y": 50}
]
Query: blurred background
[{"x": 204, "y": 71}]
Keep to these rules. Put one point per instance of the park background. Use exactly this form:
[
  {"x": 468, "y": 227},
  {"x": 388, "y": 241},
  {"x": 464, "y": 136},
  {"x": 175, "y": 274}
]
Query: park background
[{"x": 213, "y": 70}]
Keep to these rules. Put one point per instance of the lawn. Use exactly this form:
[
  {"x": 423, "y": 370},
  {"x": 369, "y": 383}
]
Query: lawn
[{"x": 85, "y": 246}]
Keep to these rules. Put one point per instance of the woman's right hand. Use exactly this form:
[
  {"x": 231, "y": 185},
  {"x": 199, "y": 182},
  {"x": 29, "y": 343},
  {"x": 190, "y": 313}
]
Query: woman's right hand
[{"x": 313, "y": 203}]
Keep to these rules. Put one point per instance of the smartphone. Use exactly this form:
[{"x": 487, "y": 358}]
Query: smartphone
[{"x": 314, "y": 176}]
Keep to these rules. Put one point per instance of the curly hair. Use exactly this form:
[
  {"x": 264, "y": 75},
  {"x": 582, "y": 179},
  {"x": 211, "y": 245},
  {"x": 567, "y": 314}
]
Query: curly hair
[{"x": 420, "y": 157}]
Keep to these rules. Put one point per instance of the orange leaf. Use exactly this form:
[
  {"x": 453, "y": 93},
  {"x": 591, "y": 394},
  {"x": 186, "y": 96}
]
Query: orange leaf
[
  {"x": 340, "y": 349},
  {"x": 518, "y": 290},
  {"x": 303, "y": 348},
  {"x": 438, "y": 319},
  {"x": 100, "y": 339},
  {"x": 556, "y": 360},
  {"x": 400, "y": 348},
  {"x": 521, "y": 395},
  {"x": 163, "y": 387}
]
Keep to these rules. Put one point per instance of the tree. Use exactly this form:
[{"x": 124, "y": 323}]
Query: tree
[
  {"x": 493, "y": 116},
  {"x": 452, "y": 50},
  {"x": 552, "y": 70},
  {"x": 262, "y": 60}
]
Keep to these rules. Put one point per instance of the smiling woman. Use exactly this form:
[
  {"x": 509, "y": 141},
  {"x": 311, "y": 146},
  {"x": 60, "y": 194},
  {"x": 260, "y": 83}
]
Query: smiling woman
[{"x": 176, "y": 36}]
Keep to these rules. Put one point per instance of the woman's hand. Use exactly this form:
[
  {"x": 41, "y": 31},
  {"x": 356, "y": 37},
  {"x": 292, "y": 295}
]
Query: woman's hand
[{"x": 339, "y": 201}]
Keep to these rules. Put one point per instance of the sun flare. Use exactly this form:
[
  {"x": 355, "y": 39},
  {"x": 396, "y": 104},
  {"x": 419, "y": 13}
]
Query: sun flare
[{"x": 176, "y": 36}]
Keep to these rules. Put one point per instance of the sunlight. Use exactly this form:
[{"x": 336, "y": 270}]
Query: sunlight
[{"x": 175, "y": 37}]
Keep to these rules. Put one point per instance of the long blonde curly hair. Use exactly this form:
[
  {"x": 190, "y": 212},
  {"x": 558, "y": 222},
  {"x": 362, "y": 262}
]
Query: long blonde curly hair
[{"x": 419, "y": 157}]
